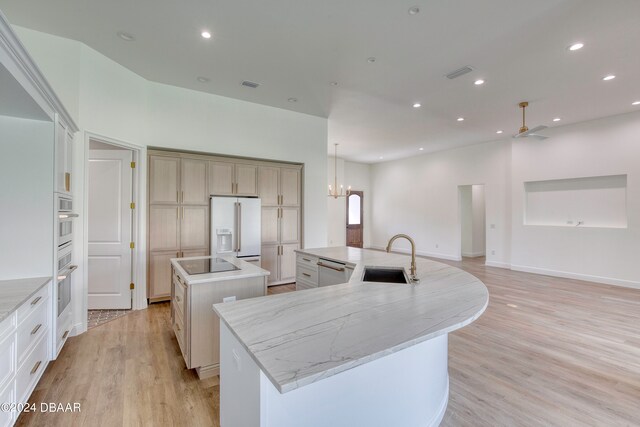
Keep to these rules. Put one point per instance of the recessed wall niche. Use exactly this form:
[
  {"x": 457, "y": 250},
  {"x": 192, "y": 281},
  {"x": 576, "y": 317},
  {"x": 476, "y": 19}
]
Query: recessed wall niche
[{"x": 596, "y": 201}]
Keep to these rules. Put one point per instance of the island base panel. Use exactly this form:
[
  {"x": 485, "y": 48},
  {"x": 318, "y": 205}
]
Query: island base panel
[{"x": 408, "y": 388}]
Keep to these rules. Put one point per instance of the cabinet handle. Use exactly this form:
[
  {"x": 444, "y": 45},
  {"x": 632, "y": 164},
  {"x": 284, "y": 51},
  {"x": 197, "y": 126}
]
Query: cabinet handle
[
  {"x": 306, "y": 274},
  {"x": 177, "y": 196},
  {"x": 35, "y": 301},
  {"x": 67, "y": 181},
  {"x": 35, "y": 367},
  {"x": 330, "y": 267},
  {"x": 182, "y": 198},
  {"x": 306, "y": 259},
  {"x": 36, "y": 329},
  {"x": 65, "y": 334},
  {"x": 178, "y": 327},
  {"x": 177, "y": 298}
]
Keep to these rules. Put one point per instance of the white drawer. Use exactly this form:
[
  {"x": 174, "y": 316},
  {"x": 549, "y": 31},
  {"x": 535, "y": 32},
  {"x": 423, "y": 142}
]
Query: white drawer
[
  {"x": 33, "y": 303},
  {"x": 7, "y": 360},
  {"x": 8, "y": 325},
  {"x": 308, "y": 261},
  {"x": 63, "y": 328},
  {"x": 6, "y": 396},
  {"x": 32, "y": 328},
  {"x": 306, "y": 274},
  {"x": 31, "y": 369},
  {"x": 179, "y": 293}
]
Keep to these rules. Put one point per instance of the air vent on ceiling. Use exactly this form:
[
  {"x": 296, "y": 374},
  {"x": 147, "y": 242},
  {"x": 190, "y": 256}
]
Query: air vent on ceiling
[
  {"x": 252, "y": 85},
  {"x": 459, "y": 72}
]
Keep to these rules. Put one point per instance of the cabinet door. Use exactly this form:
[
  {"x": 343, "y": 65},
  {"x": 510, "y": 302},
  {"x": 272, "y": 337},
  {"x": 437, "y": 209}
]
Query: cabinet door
[
  {"x": 289, "y": 225},
  {"x": 164, "y": 176},
  {"x": 193, "y": 182},
  {"x": 160, "y": 274},
  {"x": 288, "y": 262},
  {"x": 194, "y": 252},
  {"x": 268, "y": 179},
  {"x": 270, "y": 261},
  {"x": 164, "y": 228},
  {"x": 246, "y": 180},
  {"x": 269, "y": 225},
  {"x": 221, "y": 176},
  {"x": 290, "y": 187},
  {"x": 60, "y": 157},
  {"x": 68, "y": 161},
  {"x": 194, "y": 227}
]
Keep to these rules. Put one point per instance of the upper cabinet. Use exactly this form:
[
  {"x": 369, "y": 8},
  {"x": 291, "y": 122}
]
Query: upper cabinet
[
  {"x": 227, "y": 178},
  {"x": 164, "y": 180},
  {"x": 193, "y": 182},
  {"x": 279, "y": 186},
  {"x": 63, "y": 152}
]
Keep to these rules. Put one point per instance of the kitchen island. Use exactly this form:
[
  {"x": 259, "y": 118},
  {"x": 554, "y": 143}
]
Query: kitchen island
[
  {"x": 352, "y": 354},
  {"x": 197, "y": 284}
]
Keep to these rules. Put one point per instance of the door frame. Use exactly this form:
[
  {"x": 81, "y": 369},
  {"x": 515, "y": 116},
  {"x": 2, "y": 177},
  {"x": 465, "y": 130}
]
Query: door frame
[
  {"x": 138, "y": 222},
  {"x": 361, "y": 194},
  {"x": 459, "y": 227}
]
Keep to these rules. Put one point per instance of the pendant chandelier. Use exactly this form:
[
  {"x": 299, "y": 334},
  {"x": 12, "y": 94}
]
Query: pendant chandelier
[{"x": 333, "y": 190}]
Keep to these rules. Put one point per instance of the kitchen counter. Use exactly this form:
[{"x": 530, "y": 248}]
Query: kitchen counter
[
  {"x": 246, "y": 270},
  {"x": 303, "y": 337},
  {"x": 14, "y": 292}
]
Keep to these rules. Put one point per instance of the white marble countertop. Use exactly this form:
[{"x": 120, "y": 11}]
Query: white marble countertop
[
  {"x": 247, "y": 270},
  {"x": 301, "y": 337},
  {"x": 14, "y": 292}
]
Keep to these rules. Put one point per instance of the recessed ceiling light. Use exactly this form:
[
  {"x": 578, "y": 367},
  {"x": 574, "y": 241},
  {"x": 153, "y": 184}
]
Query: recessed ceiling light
[
  {"x": 417, "y": 105},
  {"x": 557, "y": 119},
  {"x": 292, "y": 99},
  {"x": 635, "y": 103},
  {"x": 461, "y": 119},
  {"x": 414, "y": 10},
  {"x": 576, "y": 46},
  {"x": 498, "y": 131},
  {"x": 609, "y": 77},
  {"x": 334, "y": 83},
  {"x": 381, "y": 157},
  {"x": 205, "y": 34},
  {"x": 478, "y": 82},
  {"x": 421, "y": 149},
  {"x": 202, "y": 79},
  {"x": 126, "y": 36},
  {"x": 371, "y": 59}
]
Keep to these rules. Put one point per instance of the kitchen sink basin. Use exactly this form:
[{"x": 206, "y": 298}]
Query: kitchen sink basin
[{"x": 385, "y": 275}]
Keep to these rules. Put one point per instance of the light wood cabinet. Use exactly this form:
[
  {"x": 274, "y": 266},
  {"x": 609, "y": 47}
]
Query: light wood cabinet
[
  {"x": 226, "y": 179},
  {"x": 164, "y": 180},
  {"x": 270, "y": 225},
  {"x": 288, "y": 262},
  {"x": 270, "y": 257},
  {"x": 280, "y": 261},
  {"x": 160, "y": 274},
  {"x": 193, "y": 182},
  {"x": 164, "y": 228},
  {"x": 289, "y": 187},
  {"x": 289, "y": 225},
  {"x": 268, "y": 185},
  {"x": 194, "y": 227}
]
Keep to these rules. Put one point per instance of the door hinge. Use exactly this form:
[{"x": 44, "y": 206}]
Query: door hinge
[
  {"x": 132, "y": 286},
  {"x": 132, "y": 245},
  {"x": 133, "y": 165},
  {"x": 133, "y": 205}
]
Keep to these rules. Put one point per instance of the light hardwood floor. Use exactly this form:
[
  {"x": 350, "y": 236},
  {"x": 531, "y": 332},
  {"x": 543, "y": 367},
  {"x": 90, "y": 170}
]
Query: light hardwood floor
[{"x": 547, "y": 352}]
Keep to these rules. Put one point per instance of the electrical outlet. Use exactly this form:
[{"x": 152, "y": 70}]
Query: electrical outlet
[{"x": 229, "y": 299}]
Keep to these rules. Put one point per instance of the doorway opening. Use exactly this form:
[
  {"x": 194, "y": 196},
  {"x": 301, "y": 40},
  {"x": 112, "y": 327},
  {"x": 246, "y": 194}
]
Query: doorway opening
[
  {"x": 355, "y": 215},
  {"x": 472, "y": 221},
  {"x": 110, "y": 227}
]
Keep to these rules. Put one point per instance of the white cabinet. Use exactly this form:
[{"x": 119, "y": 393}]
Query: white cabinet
[{"x": 63, "y": 153}]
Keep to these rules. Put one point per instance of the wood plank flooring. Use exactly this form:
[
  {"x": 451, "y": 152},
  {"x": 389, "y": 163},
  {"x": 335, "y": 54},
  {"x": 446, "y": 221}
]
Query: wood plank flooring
[{"x": 547, "y": 352}]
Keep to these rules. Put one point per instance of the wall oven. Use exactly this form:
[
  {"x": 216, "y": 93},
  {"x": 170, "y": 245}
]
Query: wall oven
[
  {"x": 65, "y": 269},
  {"x": 65, "y": 220}
]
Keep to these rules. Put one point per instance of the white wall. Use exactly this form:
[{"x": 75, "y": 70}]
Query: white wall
[
  {"x": 609, "y": 146},
  {"x": 357, "y": 175},
  {"x": 419, "y": 196},
  {"x": 109, "y": 100},
  {"x": 26, "y": 211}
]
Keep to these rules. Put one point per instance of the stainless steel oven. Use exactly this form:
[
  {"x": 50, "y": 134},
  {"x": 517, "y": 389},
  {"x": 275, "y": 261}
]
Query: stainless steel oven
[
  {"x": 65, "y": 220},
  {"x": 65, "y": 270}
]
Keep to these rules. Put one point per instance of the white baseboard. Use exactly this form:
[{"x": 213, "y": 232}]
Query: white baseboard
[
  {"x": 472, "y": 254},
  {"x": 422, "y": 253},
  {"x": 498, "y": 264},
  {"x": 577, "y": 276}
]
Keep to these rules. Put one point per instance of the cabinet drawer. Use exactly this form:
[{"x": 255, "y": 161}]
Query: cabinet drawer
[
  {"x": 7, "y": 361},
  {"x": 6, "y": 396},
  {"x": 33, "y": 303},
  {"x": 306, "y": 274},
  {"x": 8, "y": 325},
  {"x": 63, "y": 329},
  {"x": 308, "y": 261},
  {"x": 178, "y": 296},
  {"x": 178, "y": 329},
  {"x": 32, "y": 368},
  {"x": 32, "y": 328},
  {"x": 305, "y": 284}
]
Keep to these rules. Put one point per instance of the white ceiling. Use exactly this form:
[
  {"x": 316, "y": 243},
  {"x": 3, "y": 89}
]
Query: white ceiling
[{"x": 295, "y": 48}]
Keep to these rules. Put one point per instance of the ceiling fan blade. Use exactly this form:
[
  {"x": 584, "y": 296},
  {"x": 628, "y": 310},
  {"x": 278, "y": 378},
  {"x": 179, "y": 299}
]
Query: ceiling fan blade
[
  {"x": 536, "y": 129},
  {"x": 538, "y": 136}
]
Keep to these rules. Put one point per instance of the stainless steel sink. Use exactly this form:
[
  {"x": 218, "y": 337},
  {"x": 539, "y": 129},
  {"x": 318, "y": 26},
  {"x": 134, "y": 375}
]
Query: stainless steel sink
[{"x": 385, "y": 275}]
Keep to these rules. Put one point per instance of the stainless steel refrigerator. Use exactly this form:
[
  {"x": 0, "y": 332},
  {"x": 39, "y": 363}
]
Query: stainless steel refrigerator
[{"x": 235, "y": 227}]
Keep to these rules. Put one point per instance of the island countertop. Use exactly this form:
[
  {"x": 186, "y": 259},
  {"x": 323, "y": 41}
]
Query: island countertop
[
  {"x": 301, "y": 337},
  {"x": 14, "y": 292},
  {"x": 245, "y": 270}
]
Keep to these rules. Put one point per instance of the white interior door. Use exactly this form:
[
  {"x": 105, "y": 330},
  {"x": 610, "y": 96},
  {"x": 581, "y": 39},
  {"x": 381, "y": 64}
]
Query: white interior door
[{"x": 110, "y": 192}]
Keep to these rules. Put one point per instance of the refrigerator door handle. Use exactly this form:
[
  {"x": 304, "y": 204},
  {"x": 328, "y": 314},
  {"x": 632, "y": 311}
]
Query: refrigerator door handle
[
  {"x": 239, "y": 232},
  {"x": 237, "y": 226}
]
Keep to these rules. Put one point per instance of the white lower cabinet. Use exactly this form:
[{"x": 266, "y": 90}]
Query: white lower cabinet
[{"x": 25, "y": 344}]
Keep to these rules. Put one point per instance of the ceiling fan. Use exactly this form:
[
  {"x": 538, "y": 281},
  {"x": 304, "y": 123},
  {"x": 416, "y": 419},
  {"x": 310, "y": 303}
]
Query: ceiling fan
[{"x": 525, "y": 132}]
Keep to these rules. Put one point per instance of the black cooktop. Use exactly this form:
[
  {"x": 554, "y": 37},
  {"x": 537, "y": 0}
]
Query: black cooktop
[{"x": 206, "y": 265}]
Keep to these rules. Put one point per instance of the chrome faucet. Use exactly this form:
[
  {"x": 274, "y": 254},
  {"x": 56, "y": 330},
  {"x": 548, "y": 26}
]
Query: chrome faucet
[{"x": 414, "y": 278}]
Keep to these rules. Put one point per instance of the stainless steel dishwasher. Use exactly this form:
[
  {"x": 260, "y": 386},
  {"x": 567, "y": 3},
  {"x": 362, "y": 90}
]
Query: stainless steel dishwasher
[{"x": 331, "y": 272}]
